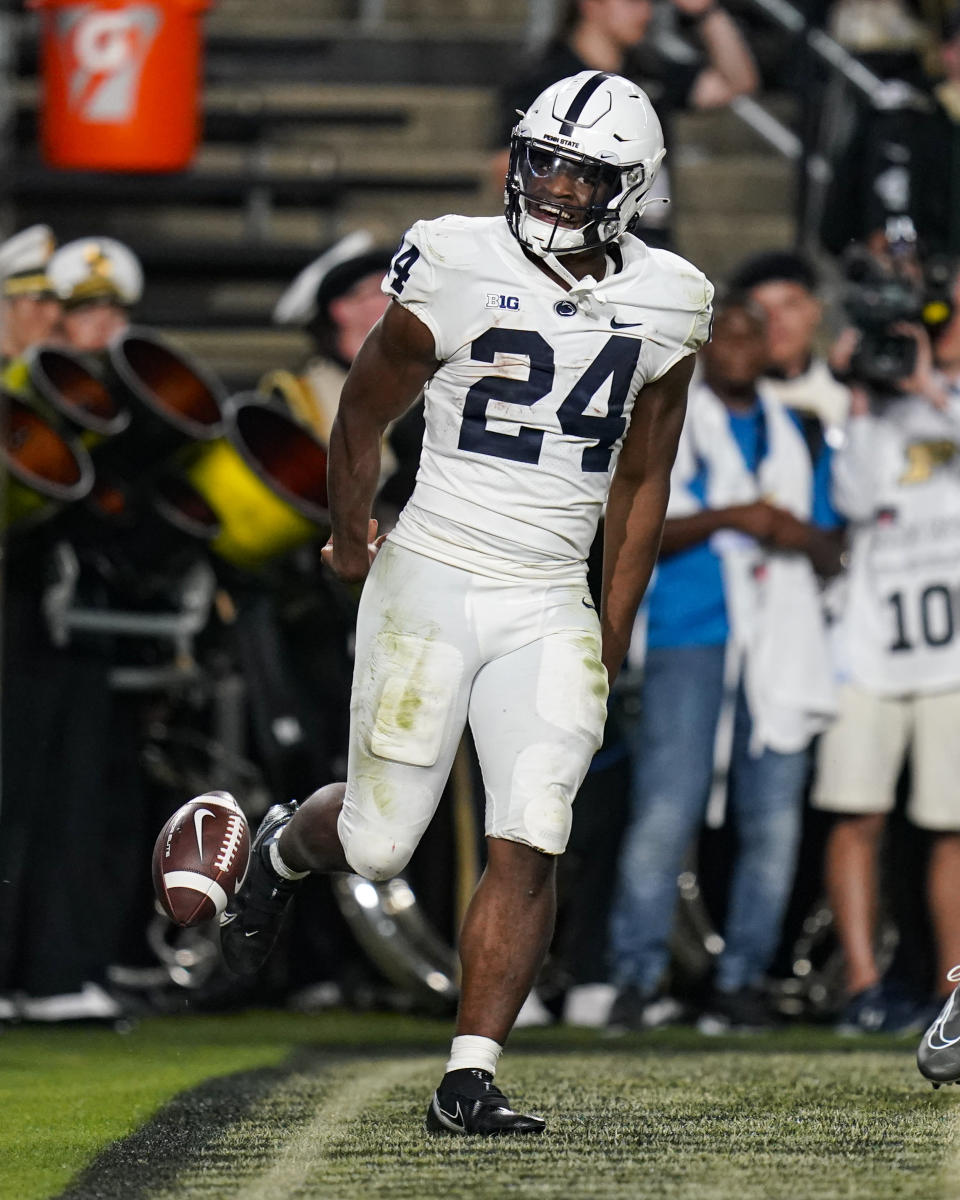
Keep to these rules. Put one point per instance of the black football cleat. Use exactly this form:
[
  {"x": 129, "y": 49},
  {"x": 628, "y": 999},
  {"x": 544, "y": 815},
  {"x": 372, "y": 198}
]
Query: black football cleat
[
  {"x": 467, "y": 1102},
  {"x": 250, "y": 924},
  {"x": 938, "y": 1055}
]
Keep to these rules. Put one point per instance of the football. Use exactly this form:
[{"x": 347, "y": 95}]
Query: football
[{"x": 200, "y": 858}]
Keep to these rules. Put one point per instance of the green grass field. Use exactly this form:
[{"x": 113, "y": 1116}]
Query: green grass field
[{"x": 269, "y": 1106}]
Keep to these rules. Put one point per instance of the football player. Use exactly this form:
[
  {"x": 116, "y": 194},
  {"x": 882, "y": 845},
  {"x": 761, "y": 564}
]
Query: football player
[{"x": 555, "y": 350}]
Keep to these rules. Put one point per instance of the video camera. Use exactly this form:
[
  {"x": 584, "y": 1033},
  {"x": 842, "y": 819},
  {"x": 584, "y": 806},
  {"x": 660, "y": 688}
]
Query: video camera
[{"x": 883, "y": 293}]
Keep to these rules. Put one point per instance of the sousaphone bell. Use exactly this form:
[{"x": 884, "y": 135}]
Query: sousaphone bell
[
  {"x": 266, "y": 479},
  {"x": 69, "y": 389},
  {"x": 42, "y": 469},
  {"x": 145, "y": 534},
  {"x": 173, "y": 400}
]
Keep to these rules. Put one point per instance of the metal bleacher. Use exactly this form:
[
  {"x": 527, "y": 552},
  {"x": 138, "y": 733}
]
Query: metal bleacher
[
  {"x": 314, "y": 124},
  {"x": 324, "y": 116}
]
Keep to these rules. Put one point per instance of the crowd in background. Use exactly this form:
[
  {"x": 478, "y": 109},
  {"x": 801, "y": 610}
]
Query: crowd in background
[{"x": 795, "y": 669}]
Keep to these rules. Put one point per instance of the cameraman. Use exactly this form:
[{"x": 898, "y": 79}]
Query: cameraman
[{"x": 897, "y": 480}]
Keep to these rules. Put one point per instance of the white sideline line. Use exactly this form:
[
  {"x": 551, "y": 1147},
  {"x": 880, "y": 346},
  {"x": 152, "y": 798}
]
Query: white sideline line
[{"x": 354, "y": 1088}]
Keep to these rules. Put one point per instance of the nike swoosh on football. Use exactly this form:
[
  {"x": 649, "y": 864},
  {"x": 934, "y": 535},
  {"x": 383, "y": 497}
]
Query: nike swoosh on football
[
  {"x": 198, "y": 826},
  {"x": 615, "y": 324}
]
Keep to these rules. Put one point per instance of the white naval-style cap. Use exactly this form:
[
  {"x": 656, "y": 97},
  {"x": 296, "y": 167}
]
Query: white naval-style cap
[
  {"x": 96, "y": 268},
  {"x": 345, "y": 263},
  {"x": 24, "y": 259}
]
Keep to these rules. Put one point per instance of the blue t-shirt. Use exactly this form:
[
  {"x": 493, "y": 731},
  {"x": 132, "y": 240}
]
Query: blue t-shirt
[{"x": 687, "y": 606}]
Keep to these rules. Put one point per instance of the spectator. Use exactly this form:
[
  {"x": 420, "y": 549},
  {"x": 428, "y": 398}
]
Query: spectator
[
  {"x": 734, "y": 609},
  {"x": 337, "y": 300},
  {"x": 612, "y": 35},
  {"x": 98, "y": 280},
  {"x": 784, "y": 285},
  {"x": 897, "y": 479},
  {"x": 900, "y": 158},
  {"x": 29, "y": 309}
]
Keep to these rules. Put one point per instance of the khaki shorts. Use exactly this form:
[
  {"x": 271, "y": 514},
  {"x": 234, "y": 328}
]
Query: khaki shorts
[{"x": 861, "y": 755}]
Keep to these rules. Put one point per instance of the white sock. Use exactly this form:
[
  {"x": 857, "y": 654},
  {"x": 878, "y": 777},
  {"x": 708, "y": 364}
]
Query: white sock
[
  {"x": 280, "y": 866},
  {"x": 469, "y": 1050}
]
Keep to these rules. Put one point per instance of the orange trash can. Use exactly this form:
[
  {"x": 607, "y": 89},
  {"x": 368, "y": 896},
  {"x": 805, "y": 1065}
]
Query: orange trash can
[{"x": 120, "y": 83}]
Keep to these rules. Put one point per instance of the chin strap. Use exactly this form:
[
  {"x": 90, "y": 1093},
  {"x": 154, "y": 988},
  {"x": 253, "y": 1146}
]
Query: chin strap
[
  {"x": 642, "y": 208},
  {"x": 583, "y": 292}
]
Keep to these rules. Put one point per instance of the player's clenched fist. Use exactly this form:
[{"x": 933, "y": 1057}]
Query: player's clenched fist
[{"x": 351, "y": 563}]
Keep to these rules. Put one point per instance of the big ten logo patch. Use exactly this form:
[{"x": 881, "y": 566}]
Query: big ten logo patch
[
  {"x": 924, "y": 457},
  {"x": 496, "y": 301},
  {"x": 103, "y": 51}
]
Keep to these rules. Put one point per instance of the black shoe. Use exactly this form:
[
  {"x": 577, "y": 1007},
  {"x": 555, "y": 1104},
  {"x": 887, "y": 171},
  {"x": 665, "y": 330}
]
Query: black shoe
[
  {"x": 634, "y": 1010},
  {"x": 938, "y": 1055},
  {"x": 885, "y": 1007},
  {"x": 467, "y": 1102},
  {"x": 745, "y": 1010},
  {"x": 251, "y": 922}
]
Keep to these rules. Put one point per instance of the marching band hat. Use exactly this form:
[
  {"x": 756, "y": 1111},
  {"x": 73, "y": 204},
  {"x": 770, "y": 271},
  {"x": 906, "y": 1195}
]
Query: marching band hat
[
  {"x": 23, "y": 262},
  {"x": 329, "y": 276},
  {"x": 96, "y": 268}
]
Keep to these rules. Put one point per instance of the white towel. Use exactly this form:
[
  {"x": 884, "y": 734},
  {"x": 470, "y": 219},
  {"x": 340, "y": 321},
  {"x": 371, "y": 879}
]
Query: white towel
[{"x": 773, "y": 605}]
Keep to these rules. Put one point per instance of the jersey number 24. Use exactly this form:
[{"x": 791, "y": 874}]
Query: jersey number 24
[{"x": 617, "y": 359}]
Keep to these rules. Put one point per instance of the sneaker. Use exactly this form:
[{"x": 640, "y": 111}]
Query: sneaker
[
  {"x": 533, "y": 1014},
  {"x": 588, "y": 1005},
  {"x": 467, "y": 1102},
  {"x": 251, "y": 922},
  {"x": 634, "y": 1009},
  {"x": 745, "y": 1010},
  {"x": 92, "y": 1003},
  {"x": 938, "y": 1056},
  {"x": 884, "y": 1007}
]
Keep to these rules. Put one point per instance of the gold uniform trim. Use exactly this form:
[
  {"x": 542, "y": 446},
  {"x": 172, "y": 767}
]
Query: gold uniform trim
[{"x": 24, "y": 285}]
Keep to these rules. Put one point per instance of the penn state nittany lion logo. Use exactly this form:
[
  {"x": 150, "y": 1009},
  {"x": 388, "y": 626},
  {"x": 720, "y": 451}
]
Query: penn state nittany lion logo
[{"x": 924, "y": 457}]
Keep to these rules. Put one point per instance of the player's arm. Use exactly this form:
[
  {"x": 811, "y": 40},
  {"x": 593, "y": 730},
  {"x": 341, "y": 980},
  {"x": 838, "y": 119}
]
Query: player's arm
[
  {"x": 390, "y": 371},
  {"x": 637, "y": 505}
]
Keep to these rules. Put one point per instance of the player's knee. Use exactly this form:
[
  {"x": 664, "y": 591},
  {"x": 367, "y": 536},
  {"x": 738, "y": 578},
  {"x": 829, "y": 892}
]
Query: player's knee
[
  {"x": 374, "y": 855},
  {"x": 547, "y": 818},
  {"x": 539, "y": 806}
]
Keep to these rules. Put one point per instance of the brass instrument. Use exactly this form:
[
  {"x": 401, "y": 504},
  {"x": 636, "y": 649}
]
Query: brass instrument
[
  {"x": 174, "y": 402},
  {"x": 68, "y": 388},
  {"x": 43, "y": 469},
  {"x": 266, "y": 479}
]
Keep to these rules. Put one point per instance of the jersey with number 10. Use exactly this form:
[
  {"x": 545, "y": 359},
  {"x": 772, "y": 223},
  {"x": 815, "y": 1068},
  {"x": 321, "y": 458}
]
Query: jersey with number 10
[{"x": 527, "y": 412}]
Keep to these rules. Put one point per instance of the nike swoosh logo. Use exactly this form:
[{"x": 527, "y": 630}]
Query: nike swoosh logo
[
  {"x": 936, "y": 1030},
  {"x": 615, "y": 324},
  {"x": 198, "y": 826},
  {"x": 588, "y": 604},
  {"x": 454, "y": 1119},
  {"x": 251, "y": 933}
]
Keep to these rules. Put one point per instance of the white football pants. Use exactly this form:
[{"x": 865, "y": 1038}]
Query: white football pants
[{"x": 436, "y": 646}]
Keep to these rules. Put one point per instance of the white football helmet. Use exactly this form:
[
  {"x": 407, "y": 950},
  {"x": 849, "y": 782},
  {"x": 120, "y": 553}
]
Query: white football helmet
[{"x": 582, "y": 158}]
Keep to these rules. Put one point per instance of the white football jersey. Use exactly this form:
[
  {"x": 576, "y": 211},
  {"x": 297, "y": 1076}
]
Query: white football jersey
[
  {"x": 898, "y": 480},
  {"x": 527, "y": 413}
]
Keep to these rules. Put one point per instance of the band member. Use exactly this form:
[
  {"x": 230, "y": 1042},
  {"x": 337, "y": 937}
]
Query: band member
[{"x": 98, "y": 281}]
